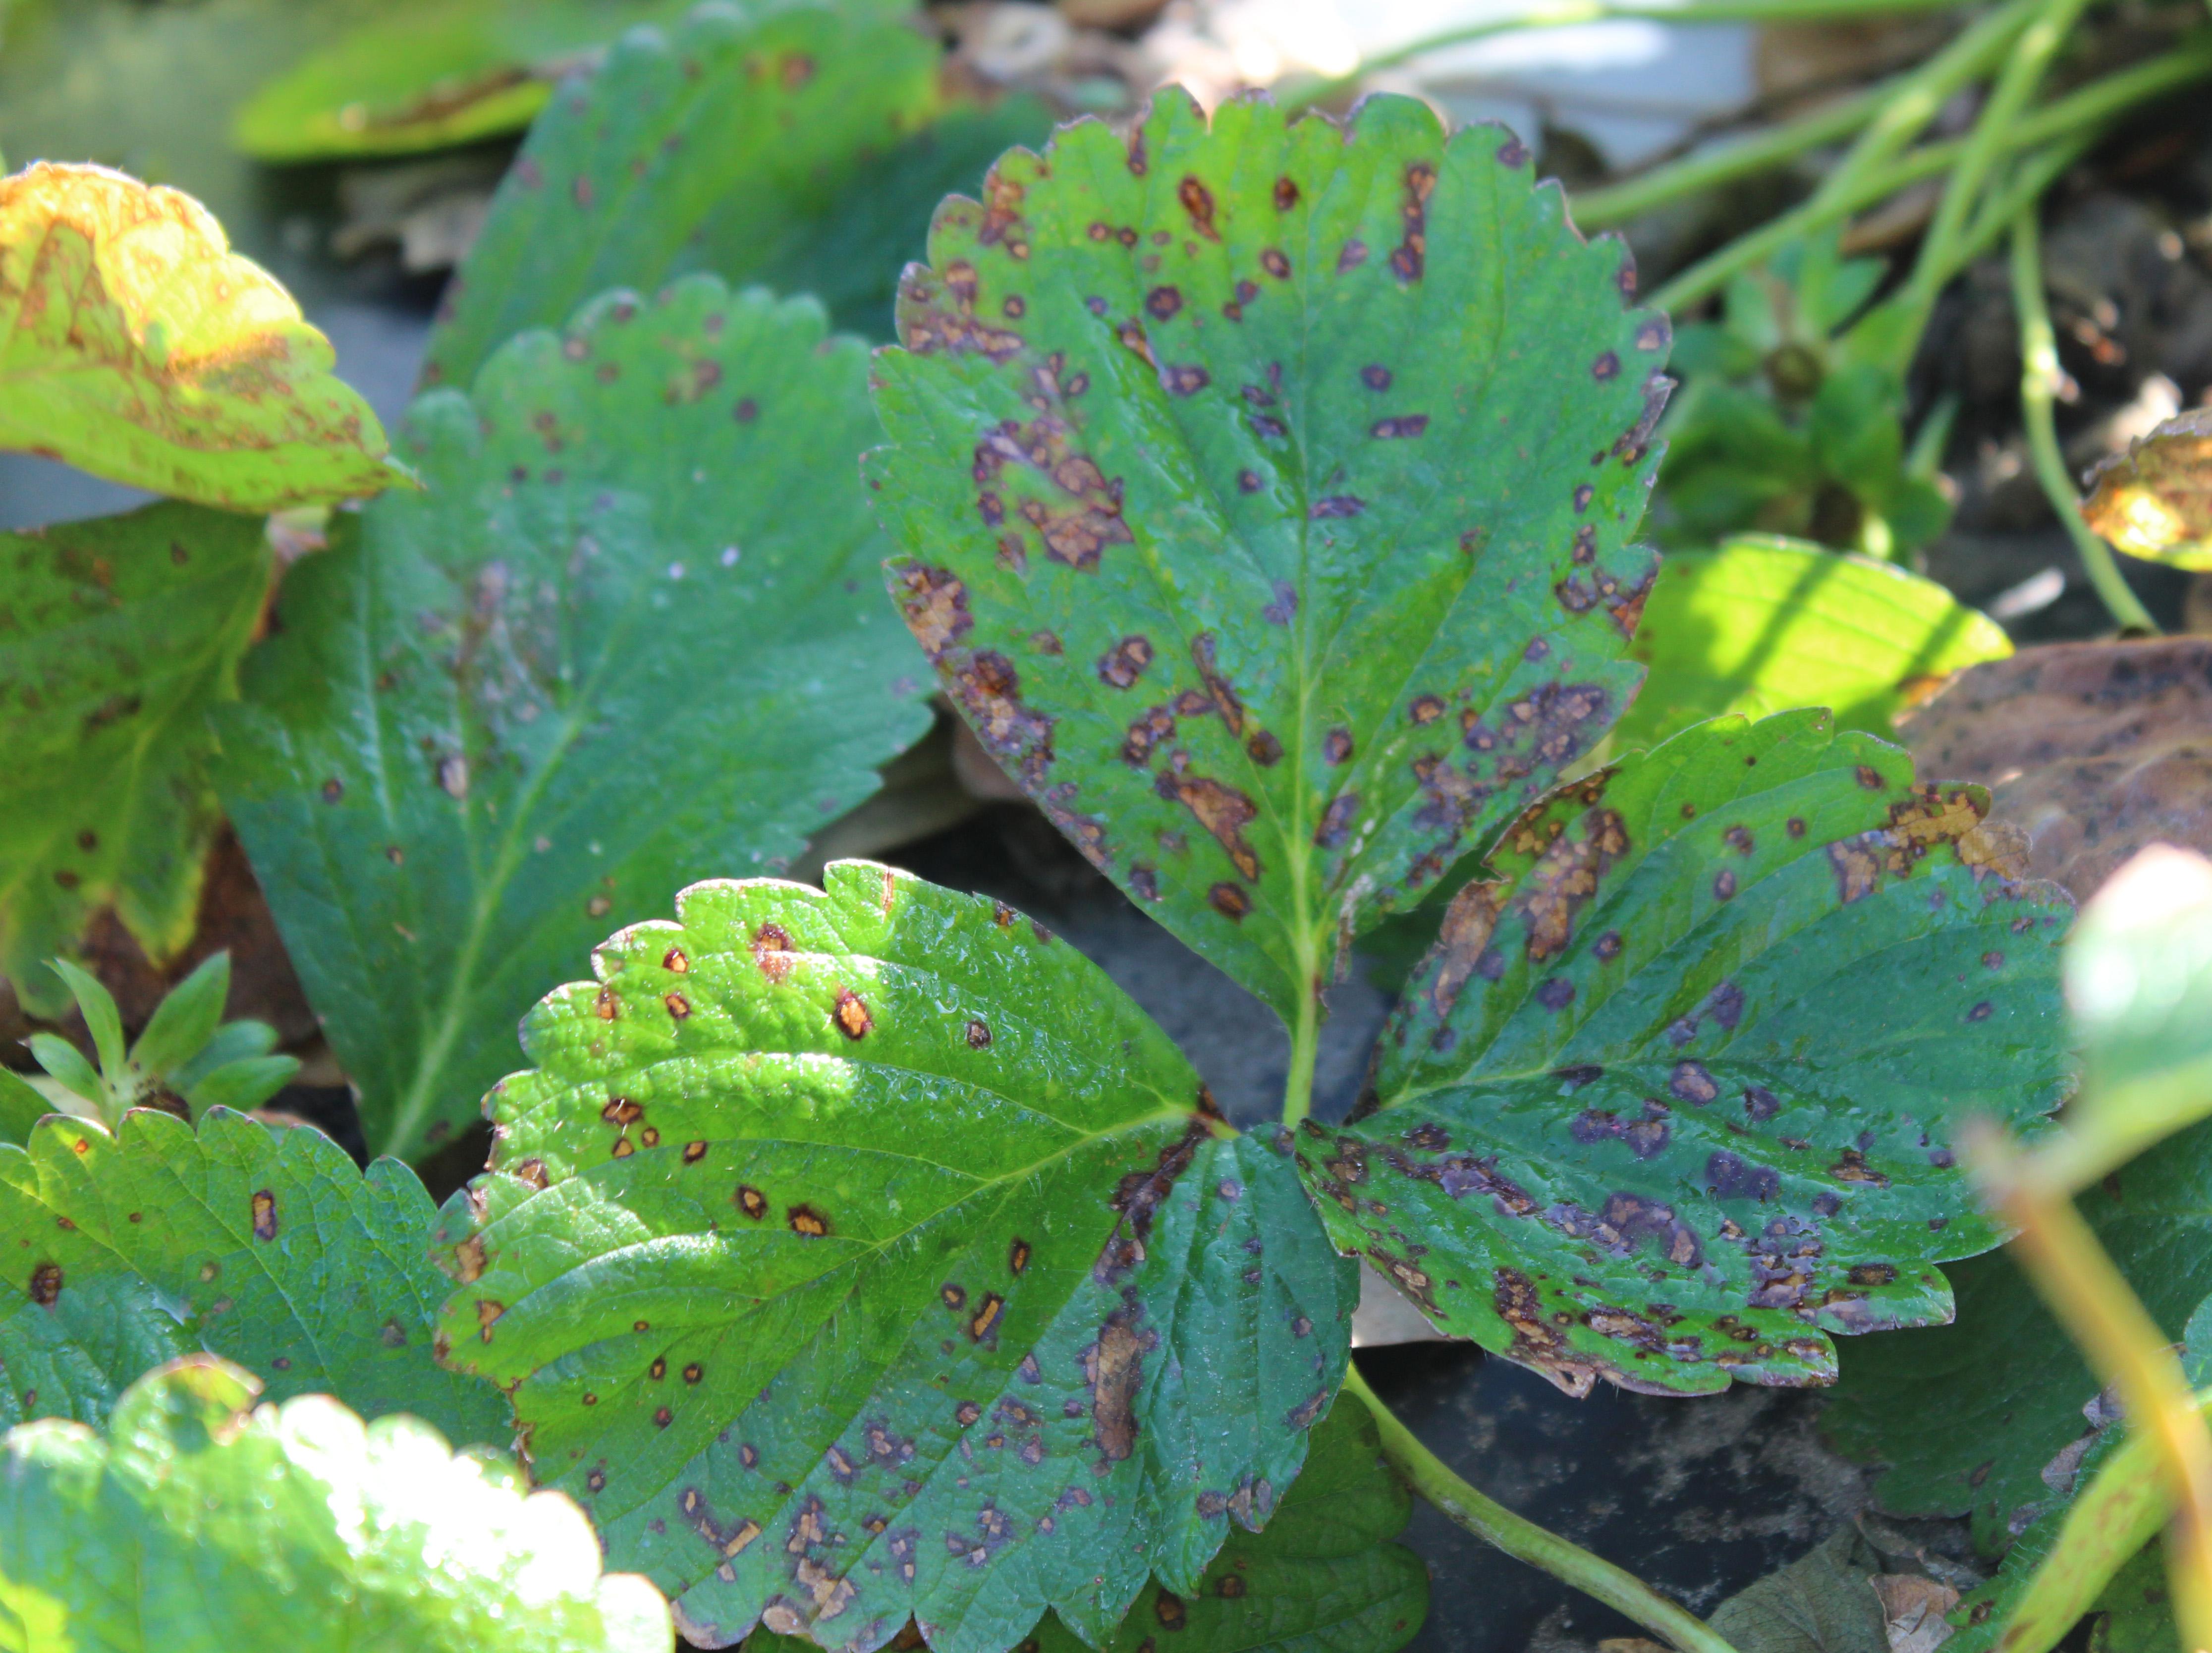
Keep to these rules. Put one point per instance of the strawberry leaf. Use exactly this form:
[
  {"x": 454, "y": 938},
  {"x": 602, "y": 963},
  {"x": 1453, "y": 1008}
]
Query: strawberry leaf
[
  {"x": 1766, "y": 624},
  {"x": 430, "y": 78},
  {"x": 1323, "y": 1574},
  {"x": 204, "y": 1521},
  {"x": 1672, "y": 1100},
  {"x": 135, "y": 345},
  {"x": 627, "y": 640},
  {"x": 1266, "y": 491},
  {"x": 695, "y": 148},
  {"x": 116, "y": 636},
  {"x": 864, "y": 1254},
  {"x": 261, "y": 1244}
]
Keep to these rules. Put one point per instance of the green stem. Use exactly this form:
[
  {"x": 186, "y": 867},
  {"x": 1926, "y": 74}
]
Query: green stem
[
  {"x": 2078, "y": 115},
  {"x": 1990, "y": 140},
  {"x": 1725, "y": 162},
  {"x": 1305, "y": 1051},
  {"x": 1562, "y": 13},
  {"x": 1524, "y": 1541},
  {"x": 1909, "y": 110},
  {"x": 2038, "y": 388}
]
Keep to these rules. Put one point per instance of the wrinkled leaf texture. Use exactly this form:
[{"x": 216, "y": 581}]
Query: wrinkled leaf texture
[
  {"x": 116, "y": 636},
  {"x": 867, "y": 1254},
  {"x": 626, "y": 640},
  {"x": 200, "y": 1524},
  {"x": 704, "y": 147},
  {"x": 263, "y": 1245},
  {"x": 135, "y": 345},
  {"x": 1264, "y": 490}
]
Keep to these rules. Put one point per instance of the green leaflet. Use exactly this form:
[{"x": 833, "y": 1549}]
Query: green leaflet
[
  {"x": 867, "y": 1254},
  {"x": 1671, "y": 1101},
  {"x": 1764, "y": 625},
  {"x": 135, "y": 345},
  {"x": 186, "y": 1061},
  {"x": 849, "y": 257},
  {"x": 261, "y": 1244},
  {"x": 116, "y": 636},
  {"x": 1967, "y": 1415},
  {"x": 626, "y": 641},
  {"x": 198, "y": 1525},
  {"x": 430, "y": 78},
  {"x": 1819, "y": 1603},
  {"x": 695, "y": 148},
  {"x": 1266, "y": 490},
  {"x": 1323, "y": 1575}
]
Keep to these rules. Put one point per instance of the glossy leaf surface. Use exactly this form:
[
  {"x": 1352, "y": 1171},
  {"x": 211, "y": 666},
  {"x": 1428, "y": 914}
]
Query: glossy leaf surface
[
  {"x": 261, "y": 1244},
  {"x": 1671, "y": 1102},
  {"x": 429, "y": 78},
  {"x": 862, "y": 1255},
  {"x": 1266, "y": 491},
  {"x": 698, "y": 148},
  {"x": 2156, "y": 500},
  {"x": 135, "y": 345},
  {"x": 116, "y": 636},
  {"x": 1762, "y": 625},
  {"x": 200, "y": 1524},
  {"x": 627, "y": 639}
]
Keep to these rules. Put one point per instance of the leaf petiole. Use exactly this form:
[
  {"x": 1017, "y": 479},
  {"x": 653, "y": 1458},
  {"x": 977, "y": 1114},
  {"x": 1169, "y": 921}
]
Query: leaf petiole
[
  {"x": 1525, "y": 1541},
  {"x": 2038, "y": 387}
]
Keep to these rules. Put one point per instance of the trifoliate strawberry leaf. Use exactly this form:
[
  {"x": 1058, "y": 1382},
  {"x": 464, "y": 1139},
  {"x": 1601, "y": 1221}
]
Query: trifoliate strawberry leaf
[
  {"x": 262, "y": 1244},
  {"x": 1266, "y": 491},
  {"x": 1323, "y": 1574},
  {"x": 690, "y": 149},
  {"x": 864, "y": 1255},
  {"x": 1965, "y": 1416},
  {"x": 135, "y": 345},
  {"x": 1766, "y": 624},
  {"x": 429, "y": 77},
  {"x": 116, "y": 636},
  {"x": 1672, "y": 1100},
  {"x": 629, "y": 639},
  {"x": 205, "y": 1523}
]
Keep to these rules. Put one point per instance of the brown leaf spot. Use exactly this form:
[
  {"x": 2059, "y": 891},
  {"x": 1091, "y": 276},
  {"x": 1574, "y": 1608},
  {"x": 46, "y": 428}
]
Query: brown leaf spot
[
  {"x": 751, "y": 1201},
  {"x": 852, "y": 1015},
  {"x": 621, "y": 1110},
  {"x": 1336, "y": 746},
  {"x": 1162, "y": 303},
  {"x": 935, "y": 604},
  {"x": 469, "y": 1260},
  {"x": 606, "y": 1006},
  {"x": 694, "y": 1152},
  {"x": 1229, "y": 900},
  {"x": 1223, "y": 809},
  {"x": 1169, "y": 1609},
  {"x": 265, "y": 1215},
  {"x": 45, "y": 1284},
  {"x": 978, "y": 1037},
  {"x": 678, "y": 1005},
  {"x": 1123, "y": 665},
  {"x": 675, "y": 962},
  {"x": 771, "y": 951},
  {"x": 1375, "y": 376},
  {"x": 1408, "y": 260},
  {"x": 1607, "y": 366},
  {"x": 1018, "y": 1257},
  {"x": 986, "y": 1319},
  {"x": 1198, "y": 201},
  {"x": 1407, "y": 425},
  {"x": 807, "y": 1222},
  {"x": 1114, "y": 1369}
]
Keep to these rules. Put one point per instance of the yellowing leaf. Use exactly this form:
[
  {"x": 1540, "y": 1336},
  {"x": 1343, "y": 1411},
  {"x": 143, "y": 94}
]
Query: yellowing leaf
[
  {"x": 135, "y": 345},
  {"x": 2156, "y": 500}
]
